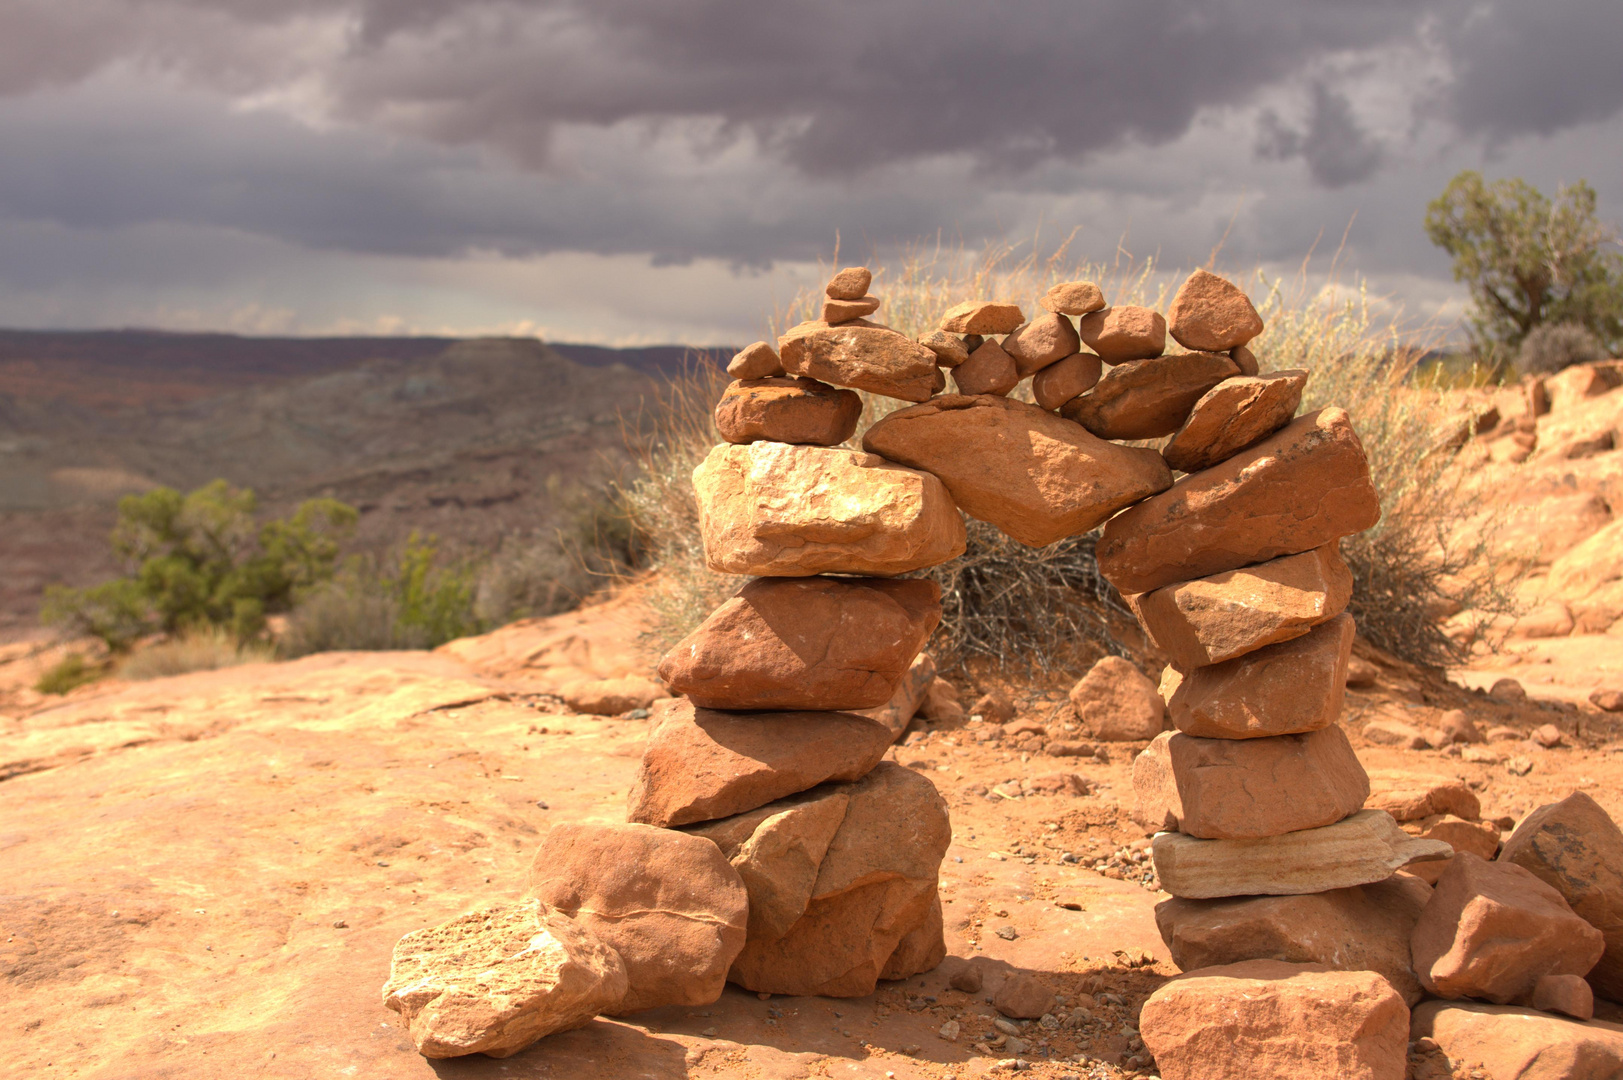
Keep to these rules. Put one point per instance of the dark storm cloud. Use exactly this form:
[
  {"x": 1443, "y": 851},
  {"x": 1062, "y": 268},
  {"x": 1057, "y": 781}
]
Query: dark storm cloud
[{"x": 1337, "y": 150}]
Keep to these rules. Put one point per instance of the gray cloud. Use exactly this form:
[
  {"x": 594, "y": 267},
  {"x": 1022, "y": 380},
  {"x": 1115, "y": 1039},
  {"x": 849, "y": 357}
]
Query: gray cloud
[{"x": 1337, "y": 150}]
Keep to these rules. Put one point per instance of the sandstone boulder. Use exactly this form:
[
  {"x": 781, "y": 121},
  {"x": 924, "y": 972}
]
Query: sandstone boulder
[
  {"x": 703, "y": 764},
  {"x": 1359, "y": 850},
  {"x": 1217, "y": 618},
  {"x": 1023, "y": 997},
  {"x": 1073, "y": 298},
  {"x": 1041, "y": 342},
  {"x": 1145, "y": 399},
  {"x": 1244, "y": 789},
  {"x": 1065, "y": 380},
  {"x": 1035, "y": 476},
  {"x": 1236, "y": 413},
  {"x": 668, "y": 903},
  {"x": 949, "y": 349},
  {"x": 1363, "y": 928},
  {"x": 1569, "y": 995},
  {"x": 498, "y": 978},
  {"x": 922, "y": 948},
  {"x": 806, "y": 643},
  {"x": 787, "y": 410},
  {"x": 1116, "y": 702},
  {"x": 1293, "y": 687},
  {"x": 850, "y": 283},
  {"x": 904, "y": 704},
  {"x": 875, "y": 886},
  {"x": 1508, "y": 1043},
  {"x": 1492, "y": 929},
  {"x": 982, "y": 317},
  {"x": 1576, "y": 848},
  {"x": 610, "y": 697},
  {"x": 863, "y": 356},
  {"x": 757, "y": 361},
  {"x": 1120, "y": 334},
  {"x": 1269, "y": 1020},
  {"x": 843, "y": 311},
  {"x": 1303, "y": 487},
  {"x": 989, "y": 370},
  {"x": 1413, "y": 796},
  {"x": 1210, "y": 312},
  {"x": 793, "y": 511}
]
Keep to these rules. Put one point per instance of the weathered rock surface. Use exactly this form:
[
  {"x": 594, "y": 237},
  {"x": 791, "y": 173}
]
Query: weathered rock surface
[
  {"x": 1569, "y": 995},
  {"x": 1217, "y": 618},
  {"x": 1120, "y": 334},
  {"x": 1041, "y": 342},
  {"x": 982, "y": 317},
  {"x": 1365, "y": 848},
  {"x": 792, "y": 511},
  {"x": 1035, "y": 476},
  {"x": 1145, "y": 399},
  {"x": 757, "y": 361},
  {"x": 1073, "y": 298},
  {"x": 989, "y": 370},
  {"x": 1492, "y": 929},
  {"x": 610, "y": 697},
  {"x": 1210, "y": 312},
  {"x": 837, "y": 311},
  {"x": 1269, "y": 1019},
  {"x": 498, "y": 978},
  {"x": 1244, "y": 789},
  {"x": 921, "y": 948},
  {"x": 1303, "y": 487},
  {"x": 850, "y": 283},
  {"x": 1576, "y": 848},
  {"x": 787, "y": 410},
  {"x": 806, "y": 643},
  {"x": 1413, "y": 796},
  {"x": 1236, "y": 413},
  {"x": 1293, "y": 687},
  {"x": 949, "y": 349},
  {"x": 1478, "y": 837},
  {"x": 875, "y": 886},
  {"x": 904, "y": 704},
  {"x": 1064, "y": 380},
  {"x": 1023, "y": 997},
  {"x": 863, "y": 356},
  {"x": 703, "y": 764},
  {"x": 668, "y": 903},
  {"x": 1510, "y": 1043},
  {"x": 1363, "y": 928},
  {"x": 1244, "y": 359},
  {"x": 1116, "y": 702}
]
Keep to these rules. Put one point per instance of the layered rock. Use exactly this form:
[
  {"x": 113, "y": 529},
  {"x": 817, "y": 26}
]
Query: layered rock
[
  {"x": 1030, "y": 473},
  {"x": 863, "y": 356},
  {"x": 777, "y": 510},
  {"x": 1236, "y": 413},
  {"x": 1145, "y": 399},
  {"x": 787, "y": 410},
  {"x": 805, "y": 643}
]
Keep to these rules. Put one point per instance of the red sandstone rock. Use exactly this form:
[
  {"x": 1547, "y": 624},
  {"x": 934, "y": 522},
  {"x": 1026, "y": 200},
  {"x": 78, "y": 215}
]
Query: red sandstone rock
[
  {"x": 850, "y": 284},
  {"x": 1292, "y": 687},
  {"x": 1115, "y": 702},
  {"x": 862, "y": 356},
  {"x": 897, "y": 713},
  {"x": 989, "y": 370},
  {"x": 757, "y": 361},
  {"x": 948, "y": 348},
  {"x": 787, "y": 410},
  {"x": 1244, "y": 359},
  {"x": 1073, "y": 298},
  {"x": 982, "y": 317},
  {"x": 1413, "y": 796},
  {"x": 1145, "y": 399},
  {"x": 1268, "y": 1019},
  {"x": 1041, "y": 342},
  {"x": 1119, "y": 334},
  {"x": 843, "y": 311},
  {"x": 1508, "y": 1043},
  {"x": 1236, "y": 413},
  {"x": 1566, "y": 994},
  {"x": 1023, "y": 997},
  {"x": 1212, "y": 313},
  {"x": 1064, "y": 380}
]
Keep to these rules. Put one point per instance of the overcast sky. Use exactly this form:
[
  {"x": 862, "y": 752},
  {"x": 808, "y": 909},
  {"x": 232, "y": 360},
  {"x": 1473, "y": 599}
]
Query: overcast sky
[{"x": 637, "y": 171}]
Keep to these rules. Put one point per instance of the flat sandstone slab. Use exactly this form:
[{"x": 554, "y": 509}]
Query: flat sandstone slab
[
  {"x": 1365, "y": 848},
  {"x": 787, "y": 410},
  {"x": 863, "y": 356},
  {"x": 1236, "y": 413},
  {"x": 1513, "y": 1043},
  {"x": 1145, "y": 399},
  {"x": 1038, "y": 478},
  {"x": 1301, "y": 488}
]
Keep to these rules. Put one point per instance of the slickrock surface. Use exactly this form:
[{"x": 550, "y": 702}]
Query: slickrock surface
[
  {"x": 669, "y": 904},
  {"x": 778, "y": 510},
  {"x": 949, "y": 349},
  {"x": 703, "y": 764},
  {"x": 1035, "y": 476},
  {"x": 1217, "y": 618},
  {"x": 1364, "y": 928},
  {"x": 1073, "y": 298},
  {"x": 989, "y": 370},
  {"x": 1236, "y": 413},
  {"x": 1492, "y": 929},
  {"x": 1301, "y": 488},
  {"x": 1119, "y": 334},
  {"x": 1064, "y": 380},
  {"x": 862, "y": 356},
  {"x": 805, "y": 643},
  {"x": 850, "y": 283},
  {"x": 982, "y": 317},
  {"x": 1145, "y": 399},
  {"x": 1212, "y": 313},
  {"x": 1284, "y": 689},
  {"x": 1511, "y": 1043},
  {"x": 757, "y": 361},
  {"x": 1245, "y": 789},
  {"x": 1041, "y": 342},
  {"x": 1116, "y": 702},
  {"x": 1575, "y": 847},
  {"x": 787, "y": 410},
  {"x": 1277, "y": 1020},
  {"x": 498, "y": 978},
  {"x": 1363, "y": 849}
]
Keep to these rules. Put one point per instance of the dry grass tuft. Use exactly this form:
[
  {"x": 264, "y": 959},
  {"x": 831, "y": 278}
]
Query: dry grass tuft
[{"x": 198, "y": 650}]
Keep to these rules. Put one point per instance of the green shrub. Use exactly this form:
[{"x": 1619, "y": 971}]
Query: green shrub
[
  {"x": 69, "y": 673},
  {"x": 1552, "y": 347}
]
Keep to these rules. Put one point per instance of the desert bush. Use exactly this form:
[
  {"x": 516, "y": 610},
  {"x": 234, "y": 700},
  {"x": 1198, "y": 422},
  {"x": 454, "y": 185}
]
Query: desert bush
[
  {"x": 69, "y": 673},
  {"x": 1552, "y": 347},
  {"x": 204, "y": 649}
]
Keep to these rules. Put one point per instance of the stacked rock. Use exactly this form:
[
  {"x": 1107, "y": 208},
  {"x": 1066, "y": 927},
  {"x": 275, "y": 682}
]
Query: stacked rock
[{"x": 766, "y": 753}]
